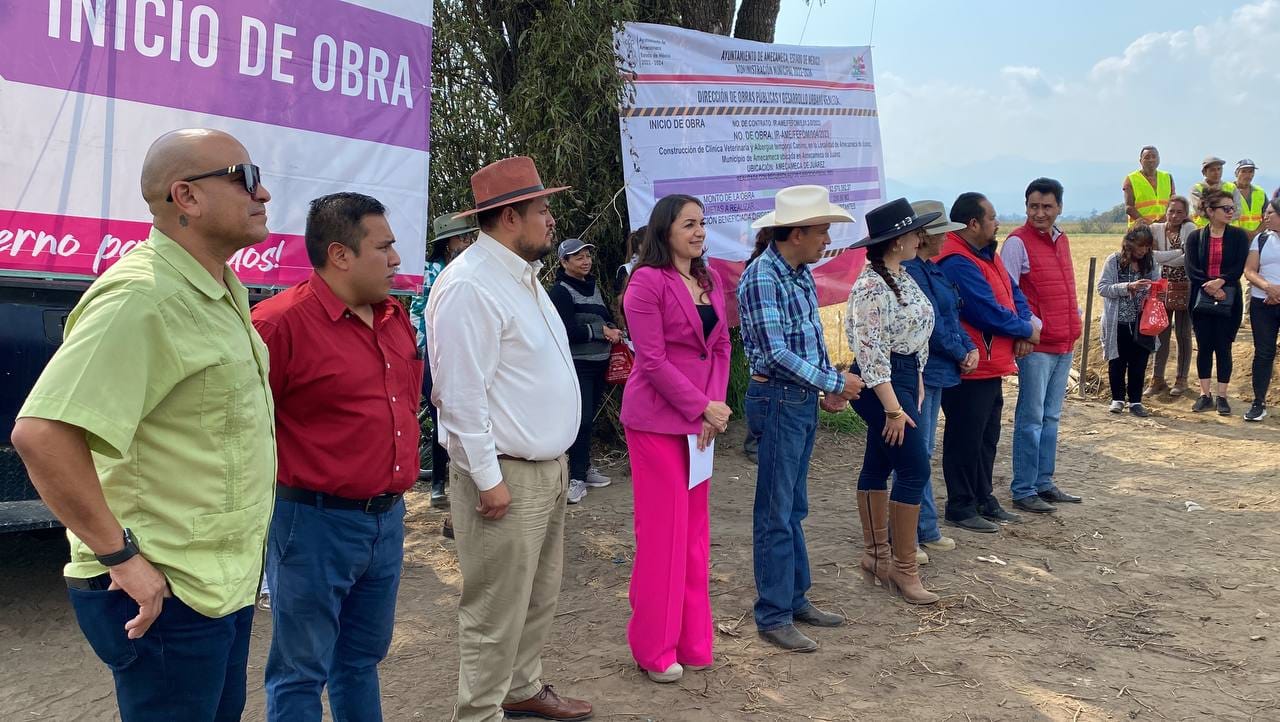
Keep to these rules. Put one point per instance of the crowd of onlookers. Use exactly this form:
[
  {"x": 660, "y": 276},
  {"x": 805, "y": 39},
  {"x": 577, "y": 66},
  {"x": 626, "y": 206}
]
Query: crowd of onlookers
[{"x": 1201, "y": 247}]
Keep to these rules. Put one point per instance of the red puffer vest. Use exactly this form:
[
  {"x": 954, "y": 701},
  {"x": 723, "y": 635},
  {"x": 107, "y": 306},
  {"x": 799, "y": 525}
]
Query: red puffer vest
[
  {"x": 1050, "y": 288},
  {"x": 995, "y": 353}
]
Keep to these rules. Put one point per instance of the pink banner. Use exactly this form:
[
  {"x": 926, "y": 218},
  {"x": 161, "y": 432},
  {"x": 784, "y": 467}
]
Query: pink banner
[
  {"x": 76, "y": 246},
  {"x": 323, "y": 65}
]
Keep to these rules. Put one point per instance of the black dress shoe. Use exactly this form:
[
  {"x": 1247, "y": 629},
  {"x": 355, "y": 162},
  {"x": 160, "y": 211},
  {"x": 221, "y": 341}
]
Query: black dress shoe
[
  {"x": 975, "y": 523},
  {"x": 998, "y": 514},
  {"x": 815, "y": 617},
  {"x": 1057, "y": 496},
  {"x": 1035, "y": 505},
  {"x": 789, "y": 638}
]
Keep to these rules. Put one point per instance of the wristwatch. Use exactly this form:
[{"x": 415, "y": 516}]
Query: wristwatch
[{"x": 130, "y": 551}]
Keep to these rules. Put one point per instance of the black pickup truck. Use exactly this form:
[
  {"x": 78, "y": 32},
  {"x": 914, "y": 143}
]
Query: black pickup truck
[{"x": 32, "y": 313}]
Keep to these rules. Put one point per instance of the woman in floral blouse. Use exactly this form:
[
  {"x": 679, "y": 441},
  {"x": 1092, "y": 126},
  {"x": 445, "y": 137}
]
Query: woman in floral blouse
[
  {"x": 889, "y": 322},
  {"x": 1169, "y": 235}
]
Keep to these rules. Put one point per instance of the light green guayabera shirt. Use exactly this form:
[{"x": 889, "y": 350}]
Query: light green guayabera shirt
[{"x": 164, "y": 371}]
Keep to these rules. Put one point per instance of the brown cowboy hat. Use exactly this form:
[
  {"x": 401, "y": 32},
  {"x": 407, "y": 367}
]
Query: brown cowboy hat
[{"x": 504, "y": 182}]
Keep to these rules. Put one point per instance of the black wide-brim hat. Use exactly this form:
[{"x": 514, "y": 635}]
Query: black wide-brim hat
[{"x": 891, "y": 220}]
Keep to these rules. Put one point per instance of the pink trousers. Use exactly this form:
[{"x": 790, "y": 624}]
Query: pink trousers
[{"x": 670, "y": 602}]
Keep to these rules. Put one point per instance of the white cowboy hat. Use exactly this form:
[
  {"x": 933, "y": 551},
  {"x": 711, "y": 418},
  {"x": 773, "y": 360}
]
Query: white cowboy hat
[
  {"x": 942, "y": 224},
  {"x": 803, "y": 206}
]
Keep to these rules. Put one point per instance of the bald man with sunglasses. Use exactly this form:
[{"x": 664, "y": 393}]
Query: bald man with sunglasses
[{"x": 150, "y": 436}]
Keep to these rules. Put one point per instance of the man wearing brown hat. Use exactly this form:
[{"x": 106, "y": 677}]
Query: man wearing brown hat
[{"x": 509, "y": 408}]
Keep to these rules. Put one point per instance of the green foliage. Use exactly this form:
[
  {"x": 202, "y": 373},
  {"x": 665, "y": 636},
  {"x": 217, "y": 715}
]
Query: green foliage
[
  {"x": 845, "y": 423},
  {"x": 536, "y": 78},
  {"x": 739, "y": 376}
]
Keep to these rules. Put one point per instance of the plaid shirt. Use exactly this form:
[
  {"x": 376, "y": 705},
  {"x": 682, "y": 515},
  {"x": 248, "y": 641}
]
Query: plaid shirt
[{"x": 781, "y": 330}]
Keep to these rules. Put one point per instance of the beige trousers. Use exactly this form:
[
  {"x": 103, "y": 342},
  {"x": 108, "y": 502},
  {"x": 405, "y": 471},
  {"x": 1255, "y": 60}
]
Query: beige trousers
[{"x": 510, "y": 585}]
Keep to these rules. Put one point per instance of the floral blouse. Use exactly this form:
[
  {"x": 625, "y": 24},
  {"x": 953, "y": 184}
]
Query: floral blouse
[{"x": 878, "y": 324}]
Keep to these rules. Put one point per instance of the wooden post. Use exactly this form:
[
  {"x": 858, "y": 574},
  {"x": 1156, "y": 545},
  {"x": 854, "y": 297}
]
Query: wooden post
[{"x": 1088, "y": 325}]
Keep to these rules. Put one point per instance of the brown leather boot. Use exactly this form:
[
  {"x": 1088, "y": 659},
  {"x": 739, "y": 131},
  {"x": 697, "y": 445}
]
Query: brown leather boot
[
  {"x": 904, "y": 576},
  {"x": 873, "y": 511}
]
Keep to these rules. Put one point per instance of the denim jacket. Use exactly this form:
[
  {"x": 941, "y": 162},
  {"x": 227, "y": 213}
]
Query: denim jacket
[{"x": 948, "y": 344}]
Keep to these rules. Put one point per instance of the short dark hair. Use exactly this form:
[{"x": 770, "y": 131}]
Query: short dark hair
[
  {"x": 1045, "y": 185},
  {"x": 489, "y": 217},
  {"x": 1146, "y": 148},
  {"x": 336, "y": 218},
  {"x": 968, "y": 207}
]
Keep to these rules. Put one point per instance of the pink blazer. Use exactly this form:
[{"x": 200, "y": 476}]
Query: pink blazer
[{"x": 677, "y": 372}]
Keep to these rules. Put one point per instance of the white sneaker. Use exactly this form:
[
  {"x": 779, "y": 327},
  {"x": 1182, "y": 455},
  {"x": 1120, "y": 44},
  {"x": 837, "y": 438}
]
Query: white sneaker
[
  {"x": 577, "y": 490},
  {"x": 1117, "y": 407},
  {"x": 596, "y": 479},
  {"x": 673, "y": 674}
]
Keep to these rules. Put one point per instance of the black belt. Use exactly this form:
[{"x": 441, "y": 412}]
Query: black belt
[
  {"x": 99, "y": 583},
  {"x": 372, "y": 505}
]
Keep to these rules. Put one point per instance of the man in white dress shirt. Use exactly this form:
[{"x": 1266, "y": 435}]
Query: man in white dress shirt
[{"x": 509, "y": 408}]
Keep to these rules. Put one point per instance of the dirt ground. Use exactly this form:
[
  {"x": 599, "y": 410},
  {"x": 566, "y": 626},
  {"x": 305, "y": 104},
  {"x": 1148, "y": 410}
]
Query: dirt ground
[{"x": 1125, "y": 607}]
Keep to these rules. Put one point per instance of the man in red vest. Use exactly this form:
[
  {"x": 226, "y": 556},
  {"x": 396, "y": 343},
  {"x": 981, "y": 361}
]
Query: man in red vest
[
  {"x": 1038, "y": 256},
  {"x": 995, "y": 315}
]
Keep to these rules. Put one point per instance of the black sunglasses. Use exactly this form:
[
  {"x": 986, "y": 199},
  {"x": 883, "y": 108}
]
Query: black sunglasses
[
  {"x": 248, "y": 171},
  {"x": 1228, "y": 209}
]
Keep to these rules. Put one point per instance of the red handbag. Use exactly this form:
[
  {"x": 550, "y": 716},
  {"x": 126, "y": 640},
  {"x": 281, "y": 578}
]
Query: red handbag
[
  {"x": 621, "y": 359},
  {"x": 1155, "y": 317}
]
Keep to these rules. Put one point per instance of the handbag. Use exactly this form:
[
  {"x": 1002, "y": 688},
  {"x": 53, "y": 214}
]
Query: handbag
[
  {"x": 621, "y": 360},
  {"x": 1178, "y": 297},
  {"x": 1210, "y": 306},
  {"x": 1155, "y": 318}
]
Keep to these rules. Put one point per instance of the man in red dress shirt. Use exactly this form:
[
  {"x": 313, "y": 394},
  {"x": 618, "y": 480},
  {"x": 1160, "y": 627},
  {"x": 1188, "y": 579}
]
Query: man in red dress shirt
[{"x": 346, "y": 376}]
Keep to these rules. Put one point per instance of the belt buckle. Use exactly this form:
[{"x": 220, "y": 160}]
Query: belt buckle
[{"x": 379, "y": 504}]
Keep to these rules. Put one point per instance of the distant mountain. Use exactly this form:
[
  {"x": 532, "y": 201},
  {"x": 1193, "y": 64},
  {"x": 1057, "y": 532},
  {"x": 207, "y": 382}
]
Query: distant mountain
[{"x": 1089, "y": 187}]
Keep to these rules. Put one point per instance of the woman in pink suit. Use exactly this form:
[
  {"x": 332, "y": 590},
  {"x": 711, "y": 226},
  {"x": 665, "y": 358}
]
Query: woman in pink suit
[{"x": 674, "y": 306}]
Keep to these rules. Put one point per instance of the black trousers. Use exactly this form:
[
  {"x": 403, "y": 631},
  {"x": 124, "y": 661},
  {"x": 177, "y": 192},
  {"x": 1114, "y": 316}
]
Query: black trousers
[
  {"x": 1266, "y": 326},
  {"x": 591, "y": 384},
  {"x": 1128, "y": 370},
  {"x": 1214, "y": 336},
  {"x": 439, "y": 456},
  {"x": 969, "y": 445}
]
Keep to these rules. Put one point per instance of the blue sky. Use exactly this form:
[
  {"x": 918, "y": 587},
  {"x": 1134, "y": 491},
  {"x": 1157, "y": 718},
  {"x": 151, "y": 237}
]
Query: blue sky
[{"x": 987, "y": 94}]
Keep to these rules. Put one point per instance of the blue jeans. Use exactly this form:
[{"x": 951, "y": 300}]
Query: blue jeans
[
  {"x": 785, "y": 418},
  {"x": 927, "y": 529},
  {"x": 186, "y": 667},
  {"x": 1042, "y": 387},
  {"x": 908, "y": 462},
  {"x": 334, "y": 574}
]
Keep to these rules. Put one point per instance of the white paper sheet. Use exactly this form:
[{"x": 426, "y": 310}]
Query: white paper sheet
[{"x": 700, "y": 461}]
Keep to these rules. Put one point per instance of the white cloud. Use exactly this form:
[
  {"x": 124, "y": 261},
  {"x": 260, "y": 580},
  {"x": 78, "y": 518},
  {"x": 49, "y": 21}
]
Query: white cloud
[
  {"x": 1029, "y": 80},
  {"x": 1193, "y": 91}
]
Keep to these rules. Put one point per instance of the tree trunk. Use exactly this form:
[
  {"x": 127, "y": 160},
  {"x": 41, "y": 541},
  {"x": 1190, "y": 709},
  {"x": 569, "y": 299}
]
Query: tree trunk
[
  {"x": 757, "y": 19},
  {"x": 709, "y": 16}
]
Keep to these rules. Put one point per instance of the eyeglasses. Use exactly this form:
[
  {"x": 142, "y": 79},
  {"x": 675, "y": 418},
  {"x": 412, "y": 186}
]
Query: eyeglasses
[
  {"x": 1228, "y": 209},
  {"x": 248, "y": 171}
]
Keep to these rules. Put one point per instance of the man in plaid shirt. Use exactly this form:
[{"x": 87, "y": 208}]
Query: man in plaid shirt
[{"x": 782, "y": 336}]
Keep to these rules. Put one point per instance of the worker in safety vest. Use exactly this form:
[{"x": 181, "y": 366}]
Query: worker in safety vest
[
  {"x": 1211, "y": 168},
  {"x": 1250, "y": 199},
  {"x": 1147, "y": 190}
]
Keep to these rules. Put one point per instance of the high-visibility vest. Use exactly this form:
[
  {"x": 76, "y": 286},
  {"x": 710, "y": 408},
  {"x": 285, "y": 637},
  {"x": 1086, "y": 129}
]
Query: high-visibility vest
[
  {"x": 1150, "y": 202},
  {"x": 1249, "y": 214},
  {"x": 1196, "y": 218}
]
